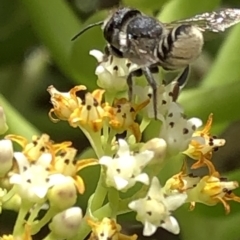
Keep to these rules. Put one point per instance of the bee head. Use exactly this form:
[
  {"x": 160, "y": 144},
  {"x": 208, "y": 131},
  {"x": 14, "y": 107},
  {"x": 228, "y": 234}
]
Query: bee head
[{"x": 115, "y": 24}]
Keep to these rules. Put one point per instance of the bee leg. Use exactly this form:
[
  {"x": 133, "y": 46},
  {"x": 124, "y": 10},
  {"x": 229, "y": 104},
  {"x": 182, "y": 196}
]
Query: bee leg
[
  {"x": 183, "y": 77},
  {"x": 130, "y": 86},
  {"x": 136, "y": 73},
  {"x": 147, "y": 73},
  {"x": 181, "y": 82}
]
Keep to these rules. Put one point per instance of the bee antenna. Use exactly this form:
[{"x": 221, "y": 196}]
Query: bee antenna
[{"x": 86, "y": 28}]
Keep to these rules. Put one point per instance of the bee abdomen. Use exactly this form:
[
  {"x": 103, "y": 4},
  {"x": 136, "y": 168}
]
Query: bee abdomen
[{"x": 180, "y": 47}]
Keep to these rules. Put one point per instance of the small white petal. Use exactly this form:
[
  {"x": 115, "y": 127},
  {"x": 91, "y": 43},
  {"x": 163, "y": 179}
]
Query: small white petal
[
  {"x": 143, "y": 178},
  {"x": 171, "y": 225},
  {"x": 15, "y": 179},
  {"x": 123, "y": 147},
  {"x": 145, "y": 157},
  {"x": 120, "y": 182},
  {"x": 97, "y": 54},
  {"x": 57, "y": 178},
  {"x": 40, "y": 191},
  {"x": 149, "y": 229},
  {"x": 21, "y": 160},
  {"x": 155, "y": 187},
  {"x": 175, "y": 201},
  {"x": 99, "y": 70},
  {"x": 133, "y": 205},
  {"x": 105, "y": 160},
  {"x": 44, "y": 160},
  {"x": 196, "y": 121}
]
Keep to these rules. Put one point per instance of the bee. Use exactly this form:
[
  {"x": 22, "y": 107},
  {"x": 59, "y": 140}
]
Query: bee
[{"x": 150, "y": 43}]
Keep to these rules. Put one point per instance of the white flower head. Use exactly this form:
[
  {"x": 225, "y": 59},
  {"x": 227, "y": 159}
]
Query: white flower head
[
  {"x": 166, "y": 94},
  {"x": 66, "y": 224},
  {"x": 112, "y": 71},
  {"x": 125, "y": 169},
  {"x": 6, "y": 156},
  {"x": 176, "y": 130},
  {"x": 155, "y": 209},
  {"x": 33, "y": 180}
]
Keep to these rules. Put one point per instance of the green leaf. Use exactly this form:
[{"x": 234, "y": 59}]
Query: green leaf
[
  {"x": 55, "y": 24},
  {"x": 17, "y": 124},
  {"x": 226, "y": 66},
  {"x": 79, "y": 56},
  {"x": 145, "y": 5},
  {"x": 179, "y": 9},
  {"x": 222, "y": 101}
]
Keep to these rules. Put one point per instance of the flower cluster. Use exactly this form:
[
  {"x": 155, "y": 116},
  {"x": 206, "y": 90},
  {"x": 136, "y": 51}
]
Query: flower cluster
[{"x": 45, "y": 175}]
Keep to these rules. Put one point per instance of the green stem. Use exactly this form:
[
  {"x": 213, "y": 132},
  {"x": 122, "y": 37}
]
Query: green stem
[
  {"x": 95, "y": 141},
  {"x": 52, "y": 236},
  {"x": 113, "y": 199},
  {"x": 47, "y": 217},
  {"x": 145, "y": 122},
  {"x": 109, "y": 97},
  {"x": 105, "y": 134},
  {"x": 34, "y": 213},
  {"x": 99, "y": 195},
  {"x": 108, "y": 145},
  {"x": 19, "y": 224},
  {"x": 9, "y": 195}
]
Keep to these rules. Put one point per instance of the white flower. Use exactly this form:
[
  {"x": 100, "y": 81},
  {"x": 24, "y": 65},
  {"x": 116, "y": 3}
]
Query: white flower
[
  {"x": 66, "y": 224},
  {"x": 6, "y": 156},
  {"x": 155, "y": 209},
  {"x": 112, "y": 72},
  {"x": 3, "y": 124},
  {"x": 166, "y": 94},
  {"x": 33, "y": 180},
  {"x": 176, "y": 130},
  {"x": 125, "y": 169}
]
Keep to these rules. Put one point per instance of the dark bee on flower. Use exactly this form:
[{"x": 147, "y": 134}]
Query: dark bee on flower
[{"x": 150, "y": 43}]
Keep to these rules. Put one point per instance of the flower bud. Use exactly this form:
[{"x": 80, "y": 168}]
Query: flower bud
[
  {"x": 158, "y": 146},
  {"x": 66, "y": 224},
  {"x": 3, "y": 124},
  {"x": 6, "y": 156},
  {"x": 63, "y": 195}
]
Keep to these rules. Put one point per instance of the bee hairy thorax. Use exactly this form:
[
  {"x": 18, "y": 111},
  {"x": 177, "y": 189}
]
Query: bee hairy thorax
[
  {"x": 133, "y": 35},
  {"x": 182, "y": 45}
]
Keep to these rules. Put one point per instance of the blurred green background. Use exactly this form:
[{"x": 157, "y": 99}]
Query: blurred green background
[{"x": 36, "y": 51}]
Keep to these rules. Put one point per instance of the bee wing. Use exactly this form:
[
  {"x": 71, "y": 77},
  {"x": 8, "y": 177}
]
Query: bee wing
[{"x": 215, "y": 22}]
